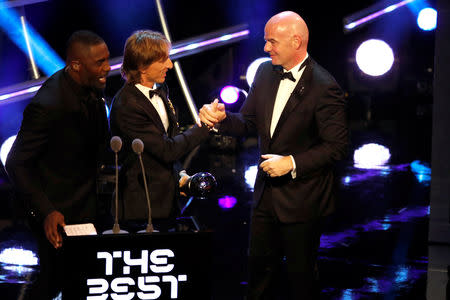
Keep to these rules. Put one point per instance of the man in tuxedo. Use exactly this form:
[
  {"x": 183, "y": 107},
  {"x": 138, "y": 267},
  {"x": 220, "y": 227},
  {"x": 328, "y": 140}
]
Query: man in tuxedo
[
  {"x": 54, "y": 160},
  {"x": 297, "y": 110},
  {"x": 142, "y": 109}
]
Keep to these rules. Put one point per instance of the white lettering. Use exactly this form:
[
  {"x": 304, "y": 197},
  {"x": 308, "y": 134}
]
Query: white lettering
[
  {"x": 153, "y": 291},
  {"x": 159, "y": 260},
  {"x": 120, "y": 285}
]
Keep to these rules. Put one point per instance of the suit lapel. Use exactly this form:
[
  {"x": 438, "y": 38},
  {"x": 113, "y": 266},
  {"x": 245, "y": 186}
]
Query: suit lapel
[
  {"x": 296, "y": 97},
  {"x": 149, "y": 108}
]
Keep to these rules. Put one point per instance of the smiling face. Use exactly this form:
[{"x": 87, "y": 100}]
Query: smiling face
[
  {"x": 286, "y": 36},
  {"x": 156, "y": 71},
  {"x": 94, "y": 66}
]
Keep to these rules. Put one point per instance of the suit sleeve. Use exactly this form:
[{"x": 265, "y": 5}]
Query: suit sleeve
[
  {"x": 244, "y": 122},
  {"x": 21, "y": 165},
  {"x": 330, "y": 116},
  {"x": 132, "y": 121}
]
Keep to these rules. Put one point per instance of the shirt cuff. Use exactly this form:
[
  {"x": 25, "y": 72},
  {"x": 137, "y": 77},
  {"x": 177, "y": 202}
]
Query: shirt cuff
[{"x": 294, "y": 168}]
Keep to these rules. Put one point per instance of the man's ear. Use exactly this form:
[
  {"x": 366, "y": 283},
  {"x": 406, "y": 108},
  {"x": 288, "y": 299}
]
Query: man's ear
[
  {"x": 297, "y": 41},
  {"x": 75, "y": 65}
]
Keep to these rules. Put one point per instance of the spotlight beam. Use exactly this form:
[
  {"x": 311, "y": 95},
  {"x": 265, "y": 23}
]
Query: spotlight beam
[
  {"x": 369, "y": 14},
  {"x": 180, "y": 49},
  {"x": 46, "y": 58},
  {"x": 14, "y": 3}
]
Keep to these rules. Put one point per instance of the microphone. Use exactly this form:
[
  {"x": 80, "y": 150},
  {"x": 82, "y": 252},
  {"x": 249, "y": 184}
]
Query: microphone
[
  {"x": 138, "y": 147},
  {"x": 116, "y": 145}
]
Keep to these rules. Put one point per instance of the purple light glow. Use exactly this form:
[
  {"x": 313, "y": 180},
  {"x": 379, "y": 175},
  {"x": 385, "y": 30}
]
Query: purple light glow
[
  {"x": 369, "y": 173},
  {"x": 209, "y": 42},
  {"x": 227, "y": 202},
  {"x": 344, "y": 238},
  {"x": 19, "y": 93},
  {"x": 374, "y": 15},
  {"x": 229, "y": 94}
]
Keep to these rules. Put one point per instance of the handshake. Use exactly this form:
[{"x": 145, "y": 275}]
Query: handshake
[{"x": 211, "y": 114}]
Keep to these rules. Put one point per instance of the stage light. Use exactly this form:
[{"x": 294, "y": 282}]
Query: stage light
[
  {"x": 18, "y": 256},
  {"x": 374, "y": 57},
  {"x": 422, "y": 171},
  {"x": 108, "y": 111},
  {"x": 45, "y": 57},
  {"x": 427, "y": 19},
  {"x": 227, "y": 202},
  {"x": 371, "y": 156},
  {"x": 251, "y": 70},
  {"x": 250, "y": 176},
  {"x": 229, "y": 94},
  {"x": 6, "y": 146},
  {"x": 371, "y": 13}
]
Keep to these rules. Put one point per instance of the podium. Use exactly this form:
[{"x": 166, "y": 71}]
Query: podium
[{"x": 138, "y": 266}]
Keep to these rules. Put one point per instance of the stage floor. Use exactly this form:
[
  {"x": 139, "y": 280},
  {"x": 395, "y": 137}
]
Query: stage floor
[{"x": 374, "y": 247}]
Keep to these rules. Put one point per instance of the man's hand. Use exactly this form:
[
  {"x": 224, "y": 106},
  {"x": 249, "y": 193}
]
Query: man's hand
[
  {"x": 51, "y": 223},
  {"x": 276, "y": 165},
  {"x": 183, "y": 181},
  {"x": 211, "y": 114}
]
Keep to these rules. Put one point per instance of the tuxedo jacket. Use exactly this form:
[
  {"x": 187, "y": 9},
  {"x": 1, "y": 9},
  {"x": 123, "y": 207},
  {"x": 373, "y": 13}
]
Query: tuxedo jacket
[
  {"x": 312, "y": 128},
  {"x": 134, "y": 116},
  {"x": 54, "y": 160}
]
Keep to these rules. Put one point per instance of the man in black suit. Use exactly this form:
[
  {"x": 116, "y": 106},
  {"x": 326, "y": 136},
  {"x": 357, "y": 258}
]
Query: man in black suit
[
  {"x": 142, "y": 109},
  {"x": 54, "y": 160},
  {"x": 298, "y": 112}
]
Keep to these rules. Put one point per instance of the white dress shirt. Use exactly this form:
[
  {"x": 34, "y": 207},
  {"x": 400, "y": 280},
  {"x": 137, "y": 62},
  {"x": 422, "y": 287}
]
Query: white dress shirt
[
  {"x": 157, "y": 103},
  {"x": 285, "y": 90}
]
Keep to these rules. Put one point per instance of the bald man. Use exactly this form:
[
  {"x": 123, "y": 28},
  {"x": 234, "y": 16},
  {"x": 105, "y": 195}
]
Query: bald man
[
  {"x": 54, "y": 160},
  {"x": 297, "y": 110}
]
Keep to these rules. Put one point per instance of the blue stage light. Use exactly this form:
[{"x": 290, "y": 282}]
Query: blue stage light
[
  {"x": 374, "y": 57},
  {"x": 427, "y": 19},
  {"x": 46, "y": 58},
  {"x": 6, "y": 146},
  {"x": 251, "y": 70}
]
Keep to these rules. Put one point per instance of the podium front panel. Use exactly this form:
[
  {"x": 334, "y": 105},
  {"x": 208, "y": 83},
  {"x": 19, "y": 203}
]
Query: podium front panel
[{"x": 138, "y": 266}]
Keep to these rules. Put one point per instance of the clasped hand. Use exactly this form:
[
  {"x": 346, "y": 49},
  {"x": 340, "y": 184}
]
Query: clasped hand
[{"x": 211, "y": 114}]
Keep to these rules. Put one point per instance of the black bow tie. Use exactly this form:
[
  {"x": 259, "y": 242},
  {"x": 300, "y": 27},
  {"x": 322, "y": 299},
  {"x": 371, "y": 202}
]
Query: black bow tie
[
  {"x": 157, "y": 92},
  {"x": 287, "y": 75}
]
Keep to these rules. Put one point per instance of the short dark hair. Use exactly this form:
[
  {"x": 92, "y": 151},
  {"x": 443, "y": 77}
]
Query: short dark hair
[
  {"x": 142, "y": 48},
  {"x": 84, "y": 38}
]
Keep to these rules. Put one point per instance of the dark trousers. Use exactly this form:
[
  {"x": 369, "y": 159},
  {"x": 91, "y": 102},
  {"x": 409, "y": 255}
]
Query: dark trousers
[
  {"x": 270, "y": 241},
  {"x": 48, "y": 282}
]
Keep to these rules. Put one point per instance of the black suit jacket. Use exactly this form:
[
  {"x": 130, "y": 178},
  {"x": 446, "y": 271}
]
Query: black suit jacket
[
  {"x": 312, "y": 128},
  {"x": 133, "y": 116},
  {"x": 54, "y": 160}
]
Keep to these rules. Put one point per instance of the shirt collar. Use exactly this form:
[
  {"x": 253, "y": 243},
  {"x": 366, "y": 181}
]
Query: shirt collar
[
  {"x": 296, "y": 69},
  {"x": 144, "y": 89}
]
